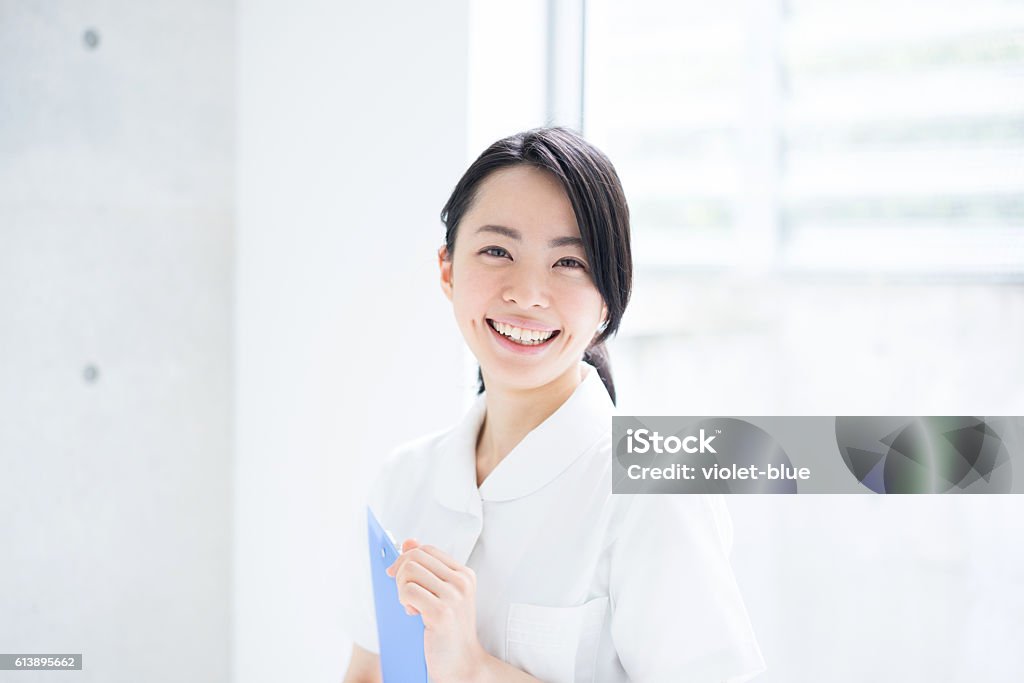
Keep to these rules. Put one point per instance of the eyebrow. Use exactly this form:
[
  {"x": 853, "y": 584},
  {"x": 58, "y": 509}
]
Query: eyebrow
[{"x": 512, "y": 233}]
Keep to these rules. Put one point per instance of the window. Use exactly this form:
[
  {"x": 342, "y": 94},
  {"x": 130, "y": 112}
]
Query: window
[{"x": 814, "y": 135}]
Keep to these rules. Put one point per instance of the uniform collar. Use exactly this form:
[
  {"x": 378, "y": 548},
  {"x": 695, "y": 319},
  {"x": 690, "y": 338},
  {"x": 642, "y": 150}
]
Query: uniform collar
[{"x": 583, "y": 420}]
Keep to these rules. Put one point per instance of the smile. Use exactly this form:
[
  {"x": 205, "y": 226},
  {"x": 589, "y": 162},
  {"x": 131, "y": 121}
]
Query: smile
[{"x": 522, "y": 337}]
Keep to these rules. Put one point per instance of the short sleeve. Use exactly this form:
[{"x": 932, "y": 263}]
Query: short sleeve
[{"x": 676, "y": 611}]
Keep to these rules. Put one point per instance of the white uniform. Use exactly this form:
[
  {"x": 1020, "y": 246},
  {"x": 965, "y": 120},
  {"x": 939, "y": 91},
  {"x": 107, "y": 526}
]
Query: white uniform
[{"x": 573, "y": 583}]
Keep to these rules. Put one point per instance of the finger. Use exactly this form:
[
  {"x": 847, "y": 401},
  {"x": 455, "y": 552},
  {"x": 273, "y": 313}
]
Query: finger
[
  {"x": 436, "y": 566},
  {"x": 407, "y": 545},
  {"x": 420, "y": 600},
  {"x": 444, "y": 557},
  {"x": 414, "y": 572}
]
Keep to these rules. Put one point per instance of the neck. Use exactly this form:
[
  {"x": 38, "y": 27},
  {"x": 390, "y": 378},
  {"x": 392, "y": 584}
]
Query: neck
[{"x": 513, "y": 413}]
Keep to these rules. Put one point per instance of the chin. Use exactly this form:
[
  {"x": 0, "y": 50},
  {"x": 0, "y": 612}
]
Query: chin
[
  {"x": 517, "y": 378},
  {"x": 526, "y": 377}
]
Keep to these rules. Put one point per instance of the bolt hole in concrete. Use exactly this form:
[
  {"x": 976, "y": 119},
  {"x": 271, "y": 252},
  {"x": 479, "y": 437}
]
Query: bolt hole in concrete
[{"x": 91, "y": 373}]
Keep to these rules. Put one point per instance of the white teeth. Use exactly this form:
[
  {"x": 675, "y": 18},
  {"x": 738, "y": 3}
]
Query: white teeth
[{"x": 527, "y": 337}]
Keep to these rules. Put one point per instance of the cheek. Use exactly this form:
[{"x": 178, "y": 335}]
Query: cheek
[
  {"x": 585, "y": 305},
  {"x": 470, "y": 293}
]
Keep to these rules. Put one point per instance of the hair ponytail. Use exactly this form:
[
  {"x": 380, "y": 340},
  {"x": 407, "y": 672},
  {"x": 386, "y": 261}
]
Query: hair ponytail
[{"x": 597, "y": 355}]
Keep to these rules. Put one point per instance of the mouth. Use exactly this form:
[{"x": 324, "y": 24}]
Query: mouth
[{"x": 522, "y": 337}]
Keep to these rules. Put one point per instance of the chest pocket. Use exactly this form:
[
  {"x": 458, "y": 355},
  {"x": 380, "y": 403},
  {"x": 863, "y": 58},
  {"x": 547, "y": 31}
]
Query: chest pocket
[{"x": 555, "y": 644}]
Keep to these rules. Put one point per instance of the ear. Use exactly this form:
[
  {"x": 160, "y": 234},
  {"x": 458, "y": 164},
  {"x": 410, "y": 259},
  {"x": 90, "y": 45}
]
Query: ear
[
  {"x": 604, "y": 313},
  {"x": 445, "y": 264}
]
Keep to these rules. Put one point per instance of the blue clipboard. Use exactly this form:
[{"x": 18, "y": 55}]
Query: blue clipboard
[{"x": 400, "y": 635}]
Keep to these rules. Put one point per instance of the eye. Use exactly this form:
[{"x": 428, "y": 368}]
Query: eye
[
  {"x": 570, "y": 260},
  {"x": 488, "y": 251}
]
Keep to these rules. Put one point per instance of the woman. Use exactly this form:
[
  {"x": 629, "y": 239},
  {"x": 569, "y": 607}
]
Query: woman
[{"x": 529, "y": 568}]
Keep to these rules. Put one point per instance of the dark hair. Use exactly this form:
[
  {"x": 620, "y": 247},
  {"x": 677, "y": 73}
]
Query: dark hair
[{"x": 597, "y": 199}]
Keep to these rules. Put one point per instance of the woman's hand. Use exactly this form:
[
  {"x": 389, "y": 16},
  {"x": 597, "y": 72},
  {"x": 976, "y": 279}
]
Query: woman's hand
[{"x": 432, "y": 584}]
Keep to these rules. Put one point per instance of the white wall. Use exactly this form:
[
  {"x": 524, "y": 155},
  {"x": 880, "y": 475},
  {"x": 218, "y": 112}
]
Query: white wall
[
  {"x": 886, "y": 588},
  {"x": 116, "y": 167},
  {"x": 352, "y": 134}
]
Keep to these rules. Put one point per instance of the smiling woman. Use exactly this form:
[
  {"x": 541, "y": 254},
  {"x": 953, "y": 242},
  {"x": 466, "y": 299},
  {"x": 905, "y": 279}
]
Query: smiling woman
[
  {"x": 544, "y": 179},
  {"x": 518, "y": 559},
  {"x": 517, "y": 285}
]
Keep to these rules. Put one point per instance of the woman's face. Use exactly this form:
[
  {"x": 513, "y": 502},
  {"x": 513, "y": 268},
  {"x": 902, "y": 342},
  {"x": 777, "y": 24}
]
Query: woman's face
[{"x": 519, "y": 280}]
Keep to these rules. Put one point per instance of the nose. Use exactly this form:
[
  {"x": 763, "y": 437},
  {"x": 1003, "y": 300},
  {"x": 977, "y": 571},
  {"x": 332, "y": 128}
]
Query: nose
[{"x": 527, "y": 289}]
